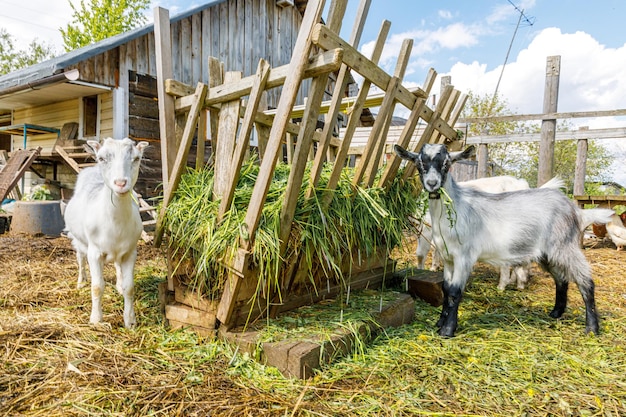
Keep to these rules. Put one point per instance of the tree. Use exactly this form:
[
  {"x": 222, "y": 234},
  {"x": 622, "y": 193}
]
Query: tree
[
  {"x": 101, "y": 19},
  {"x": 521, "y": 159},
  {"x": 12, "y": 59}
]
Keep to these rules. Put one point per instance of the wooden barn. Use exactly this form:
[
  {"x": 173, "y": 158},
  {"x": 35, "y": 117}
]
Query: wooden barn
[{"x": 109, "y": 88}]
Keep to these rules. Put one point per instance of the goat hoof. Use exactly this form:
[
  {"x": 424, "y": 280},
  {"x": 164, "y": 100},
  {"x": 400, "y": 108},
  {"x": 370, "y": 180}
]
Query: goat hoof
[
  {"x": 446, "y": 332},
  {"x": 556, "y": 313}
]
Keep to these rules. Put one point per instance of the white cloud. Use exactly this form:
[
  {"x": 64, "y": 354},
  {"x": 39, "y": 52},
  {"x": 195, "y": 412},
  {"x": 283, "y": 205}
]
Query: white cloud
[
  {"x": 591, "y": 76},
  {"x": 445, "y": 14}
]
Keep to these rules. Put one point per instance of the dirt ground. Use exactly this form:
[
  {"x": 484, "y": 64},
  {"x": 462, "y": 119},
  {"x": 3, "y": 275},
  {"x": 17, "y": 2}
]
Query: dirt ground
[{"x": 55, "y": 363}]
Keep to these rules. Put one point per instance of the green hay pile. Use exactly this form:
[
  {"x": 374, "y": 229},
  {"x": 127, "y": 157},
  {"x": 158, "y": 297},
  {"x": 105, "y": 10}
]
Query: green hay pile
[{"x": 358, "y": 224}]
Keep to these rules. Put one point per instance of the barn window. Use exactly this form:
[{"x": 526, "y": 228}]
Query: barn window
[{"x": 90, "y": 116}]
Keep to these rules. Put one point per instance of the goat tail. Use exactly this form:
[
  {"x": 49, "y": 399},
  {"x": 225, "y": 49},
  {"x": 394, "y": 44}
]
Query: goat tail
[
  {"x": 555, "y": 183},
  {"x": 596, "y": 215}
]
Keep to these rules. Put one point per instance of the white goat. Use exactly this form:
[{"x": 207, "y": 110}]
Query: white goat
[
  {"x": 103, "y": 221},
  {"x": 511, "y": 228},
  {"x": 498, "y": 184}
]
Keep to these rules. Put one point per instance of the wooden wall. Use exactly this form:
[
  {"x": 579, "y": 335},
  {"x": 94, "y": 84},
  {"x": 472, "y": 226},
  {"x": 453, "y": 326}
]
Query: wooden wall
[{"x": 237, "y": 32}]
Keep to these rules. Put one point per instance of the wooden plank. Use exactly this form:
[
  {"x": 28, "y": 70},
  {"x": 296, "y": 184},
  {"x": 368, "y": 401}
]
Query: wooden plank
[
  {"x": 429, "y": 131},
  {"x": 548, "y": 126},
  {"x": 228, "y": 125},
  {"x": 184, "y": 295},
  {"x": 338, "y": 92},
  {"x": 296, "y": 174},
  {"x": 287, "y": 99},
  {"x": 181, "y": 160},
  {"x": 354, "y": 118},
  {"x": 243, "y": 142},
  {"x": 327, "y": 40},
  {"x": 368, "y": 164},
  {"x": 407, "y": 132},
  {"x": 259, "y": 193},
  {"x": 196, "y": 47},
  {"x": 163, "y": 49},
  {"x": 262, "y": 130},
  {"x": 545, "y": 116},
  {"x": 605, "y": 201},
  {"x": 304, "y": 141},
  {"x": 216, "y": 77},
  {"x": 580, "y": 172},
  {"x": 183, "y": 314},
  {"x": 609, "y": 133},
  {"x": 319, "y": 64},
  {"x": 68, "y": 159},
  {"x": 386, "y": 113}
]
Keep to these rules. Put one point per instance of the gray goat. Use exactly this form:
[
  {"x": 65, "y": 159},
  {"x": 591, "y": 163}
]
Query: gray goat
[{"x": 511, "y": 228}]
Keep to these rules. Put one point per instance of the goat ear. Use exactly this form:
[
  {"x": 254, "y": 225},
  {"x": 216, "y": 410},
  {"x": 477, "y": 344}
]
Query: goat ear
[
  {"x": 142, "y": 145},
  {"x": 404, "y": 154},
  {"x": 94, "y": 144},
  {"x": 461, "y": 155}
]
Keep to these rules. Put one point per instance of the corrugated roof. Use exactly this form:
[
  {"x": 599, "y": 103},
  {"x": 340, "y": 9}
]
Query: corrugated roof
[{"x": 59, "y": 64}]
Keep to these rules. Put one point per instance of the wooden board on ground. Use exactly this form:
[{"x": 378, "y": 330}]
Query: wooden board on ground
[{"x": 301, "y": 357}]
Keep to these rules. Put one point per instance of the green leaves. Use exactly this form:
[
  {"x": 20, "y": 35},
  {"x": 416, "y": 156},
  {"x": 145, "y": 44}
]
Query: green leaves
[
  {"x": 95, "y": 20},
  {"x": 12, "y": 59}
]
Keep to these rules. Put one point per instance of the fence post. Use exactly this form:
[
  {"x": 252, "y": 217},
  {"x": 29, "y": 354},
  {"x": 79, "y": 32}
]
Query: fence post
[
  {"x": 581, "y": 167},
  {"x": 548, "y": 127},
  {"x": 482, "y": 158}
]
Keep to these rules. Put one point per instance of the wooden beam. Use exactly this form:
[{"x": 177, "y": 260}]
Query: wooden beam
[
  {"x": 429, "y": 132},
  {"x": 548, "y": 126},
  {"x": 335, "y": 104},
  {"x": 355, "y": 118},
  {"x": 167, "y": 124},
  {"x": 407, "y": 132},
  {"x": 546, "y": 116},
  {"x": 288, "y": 96},
  {"x": 181, "y": 160},
  {"x": 322, "y": 63},
  {"x": 216, "y": 77},
  {"x": 580, "y": 171},
  {"x": 227, "y": 135},
  {"x": 611, "y": 133},
  {"x": 387, "y": 113},
  {"x": 243, "y": 141},
  {"x": 328, "y": 40}
]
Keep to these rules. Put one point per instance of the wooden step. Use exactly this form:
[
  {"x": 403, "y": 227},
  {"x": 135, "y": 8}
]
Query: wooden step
[{"x": 80, "y": 155}]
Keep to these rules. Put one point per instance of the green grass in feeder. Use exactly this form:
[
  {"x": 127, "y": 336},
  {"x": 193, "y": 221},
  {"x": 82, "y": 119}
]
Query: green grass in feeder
[{"x": 357, "y": 224}]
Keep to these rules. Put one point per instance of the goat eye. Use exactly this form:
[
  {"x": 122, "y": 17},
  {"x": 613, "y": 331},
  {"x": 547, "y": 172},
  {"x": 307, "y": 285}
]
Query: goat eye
[{"x": 101, "y": 159}]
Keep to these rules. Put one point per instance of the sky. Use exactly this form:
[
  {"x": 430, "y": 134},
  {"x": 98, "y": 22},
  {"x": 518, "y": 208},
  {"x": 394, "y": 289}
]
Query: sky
[{"x": 467, "y": 40}]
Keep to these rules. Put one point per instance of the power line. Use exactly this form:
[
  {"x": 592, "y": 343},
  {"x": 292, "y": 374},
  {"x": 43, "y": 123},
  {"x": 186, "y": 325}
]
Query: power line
[
  {"x": 530, "y": 21},
  {"x": 28, "y": 22}
]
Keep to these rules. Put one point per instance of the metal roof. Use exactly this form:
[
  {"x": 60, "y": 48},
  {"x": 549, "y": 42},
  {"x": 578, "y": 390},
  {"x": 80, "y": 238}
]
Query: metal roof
[{"x": 58, "y": 64}]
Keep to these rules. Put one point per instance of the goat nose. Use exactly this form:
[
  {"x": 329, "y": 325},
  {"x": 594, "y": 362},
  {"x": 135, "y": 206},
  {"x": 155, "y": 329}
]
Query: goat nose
[
  {"x": 432, "y": 183},
  {"x": 120, "y": 183}
]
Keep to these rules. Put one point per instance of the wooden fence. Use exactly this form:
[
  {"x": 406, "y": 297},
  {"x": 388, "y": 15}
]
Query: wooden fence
[{"x": 549, "y": 135}]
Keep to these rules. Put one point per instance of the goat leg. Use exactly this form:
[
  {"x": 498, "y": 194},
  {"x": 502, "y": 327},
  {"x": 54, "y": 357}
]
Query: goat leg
[
  {"x": 449, "y": 314},
  {"x": 97, "y": 284},
  {"x": 560, "y": 301},
  {"x": 591, "y": 322}
]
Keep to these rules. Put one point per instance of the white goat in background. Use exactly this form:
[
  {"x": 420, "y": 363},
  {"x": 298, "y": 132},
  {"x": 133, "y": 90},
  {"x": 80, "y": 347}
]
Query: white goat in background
[
  {"x": 103, "y": 221},
  {"x": 512, "y": 228}
]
